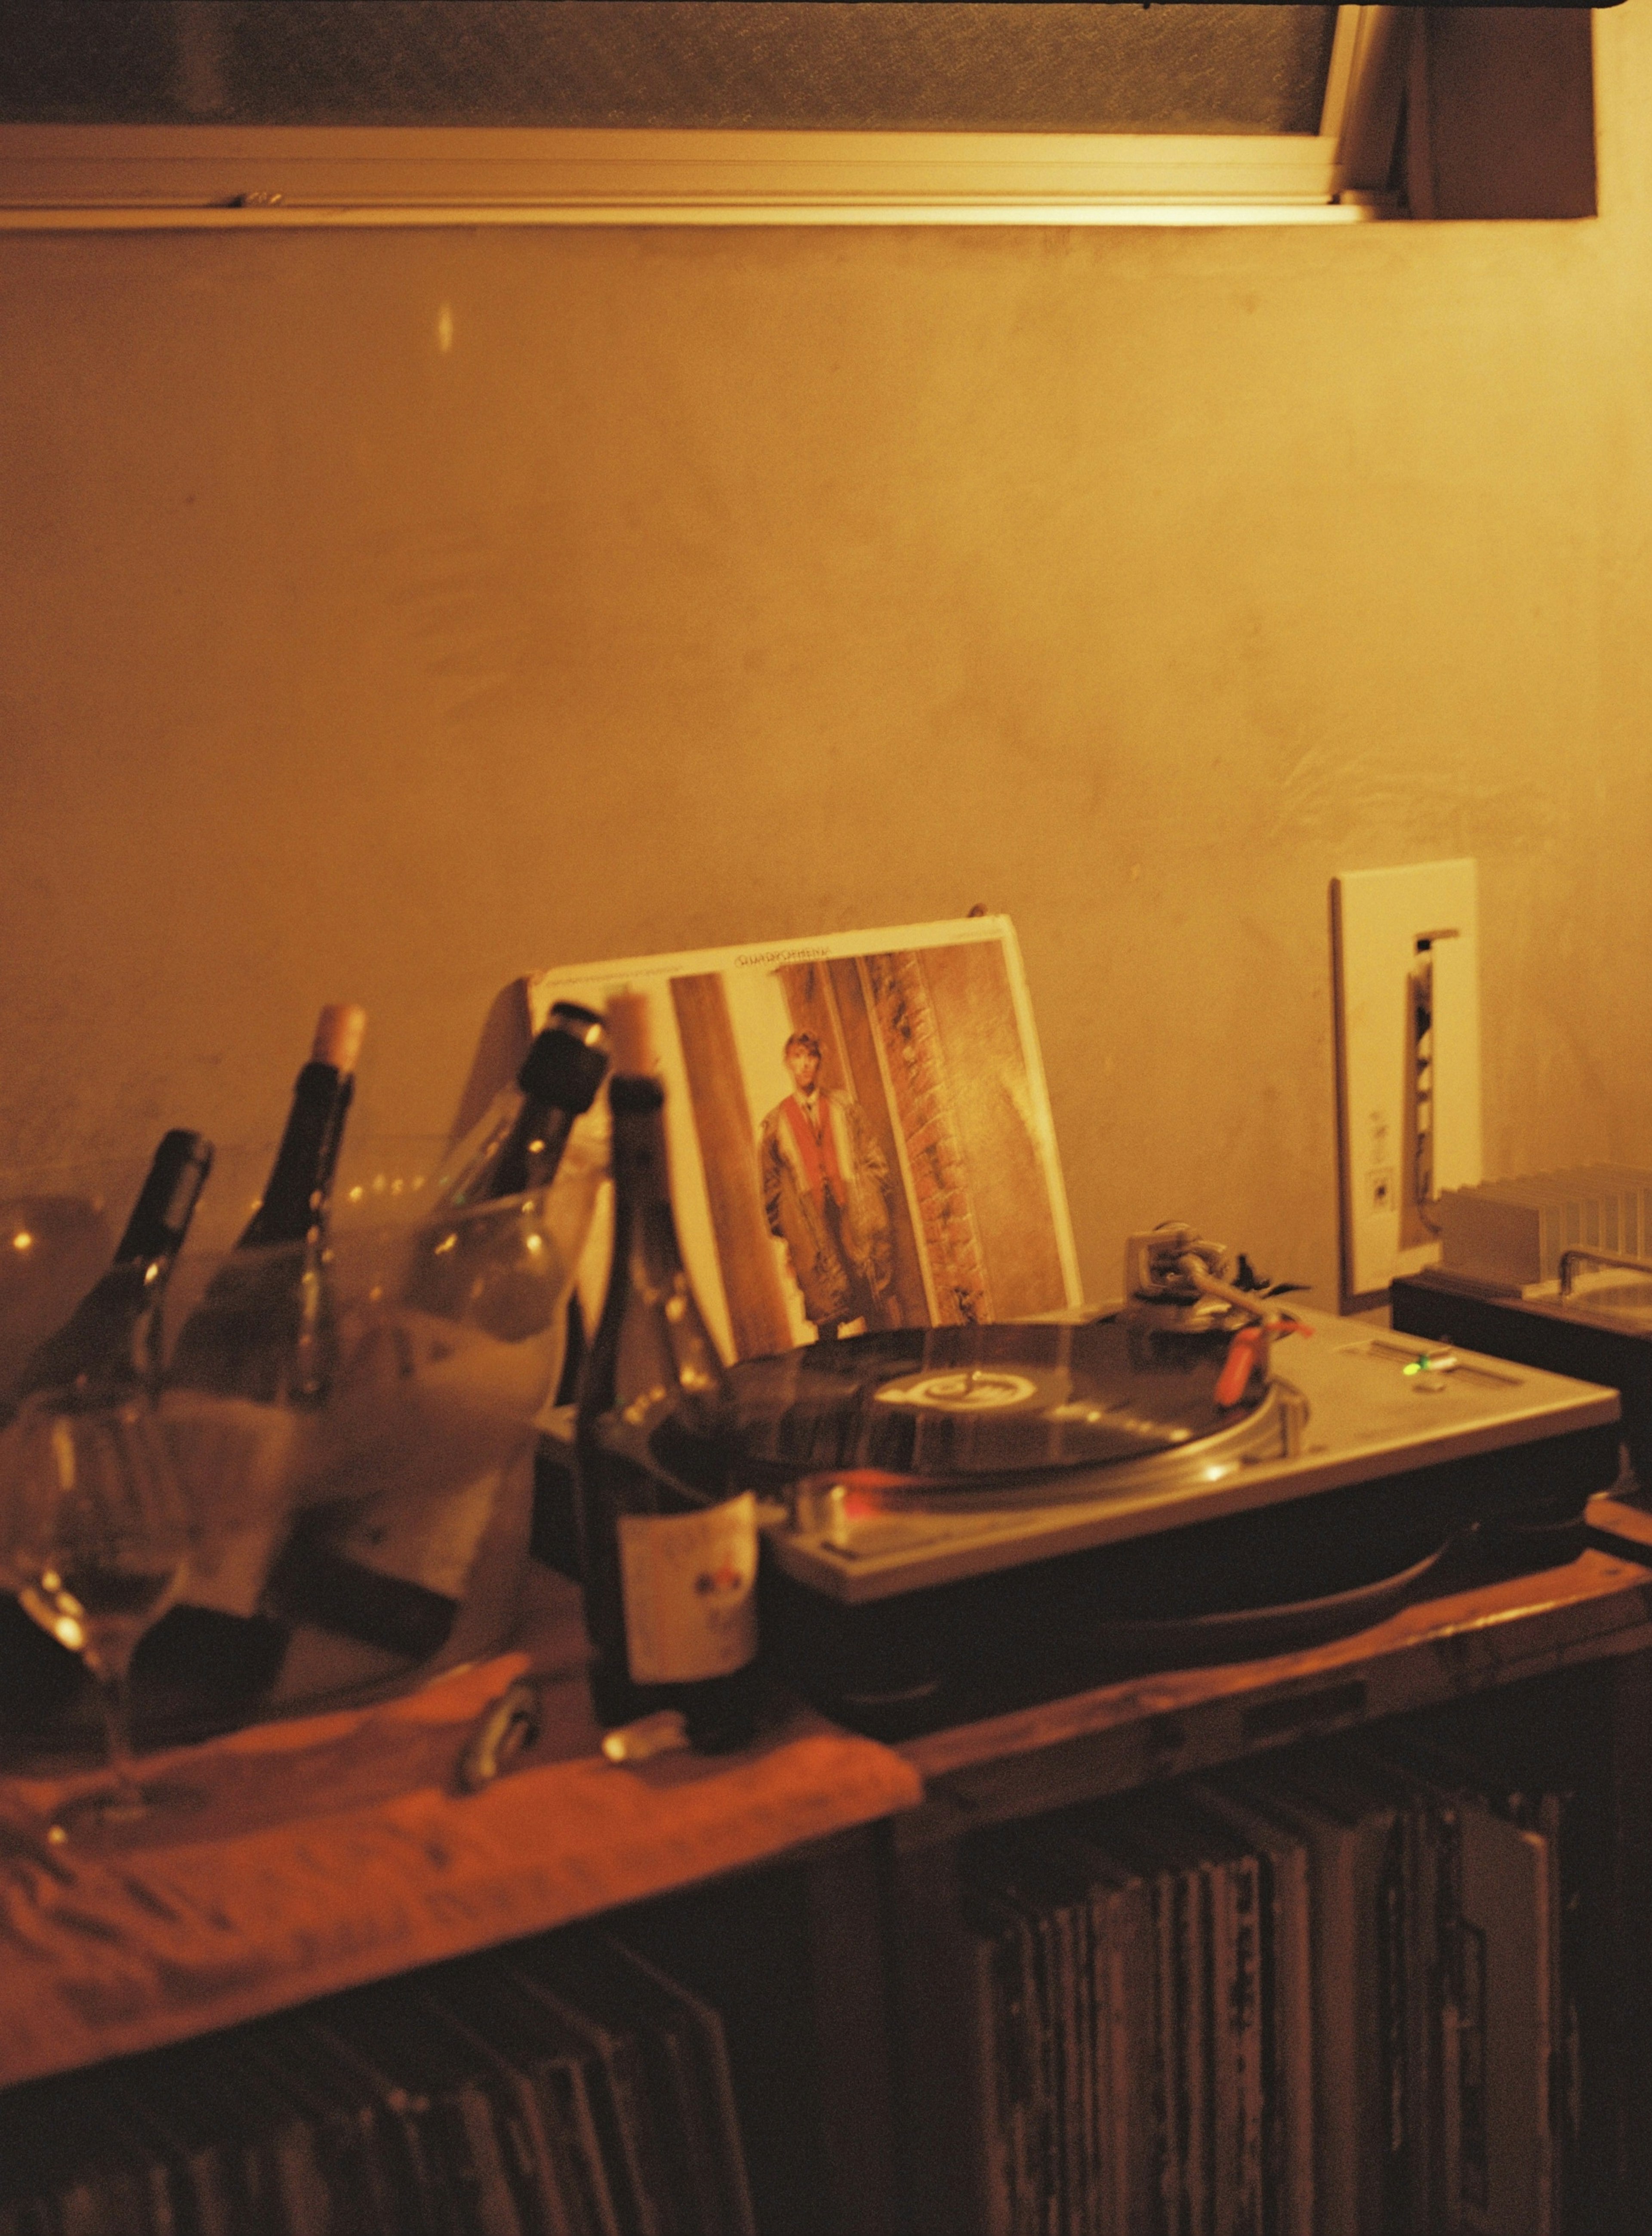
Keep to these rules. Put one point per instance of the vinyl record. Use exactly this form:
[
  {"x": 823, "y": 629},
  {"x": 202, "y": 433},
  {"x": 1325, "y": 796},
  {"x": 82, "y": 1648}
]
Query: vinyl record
[{"x": 985, "y": 1401}]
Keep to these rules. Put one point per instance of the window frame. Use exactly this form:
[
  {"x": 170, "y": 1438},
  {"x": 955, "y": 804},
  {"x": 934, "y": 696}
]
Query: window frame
[{"x": 80, "y": 177}]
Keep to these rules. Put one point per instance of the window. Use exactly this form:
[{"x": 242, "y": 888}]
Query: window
[{"x": 280, "y": 112}]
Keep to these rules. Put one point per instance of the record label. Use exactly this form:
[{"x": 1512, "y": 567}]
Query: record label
[{"x": 971, "y": 1389}]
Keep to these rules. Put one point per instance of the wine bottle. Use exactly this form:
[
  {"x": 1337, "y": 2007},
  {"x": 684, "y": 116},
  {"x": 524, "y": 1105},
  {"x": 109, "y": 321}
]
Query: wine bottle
[
  {"x": 493, "y": 1273},
  {"x": 519, "y": 1140},
  {"x": 392, "y": 1561},
  {"x": 110, "y": 1343},
  {"x": 263, "y": 1330},
  {"x": 668, "y": 1555},
  {"x": 248, "y": 1374}
]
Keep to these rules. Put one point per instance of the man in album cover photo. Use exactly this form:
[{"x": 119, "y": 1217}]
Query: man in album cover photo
[
  {"x": 868, "y": 1146},
  {"x": 826, "y": 1193}
]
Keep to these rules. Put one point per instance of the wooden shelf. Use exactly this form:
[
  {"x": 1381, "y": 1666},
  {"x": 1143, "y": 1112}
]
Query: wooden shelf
[
  {"x": 333, "y": 1849},
  {"x": 1120, "y": 1736}
]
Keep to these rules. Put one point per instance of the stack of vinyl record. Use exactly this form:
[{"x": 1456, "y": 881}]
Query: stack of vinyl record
[
  {"x": 565, "y": 2087},
  {"x": 1326, "y": 1994}
]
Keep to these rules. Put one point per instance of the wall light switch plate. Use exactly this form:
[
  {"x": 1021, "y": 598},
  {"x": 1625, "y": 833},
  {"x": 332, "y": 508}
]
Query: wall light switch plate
[{"x": 1406, "y": 952}]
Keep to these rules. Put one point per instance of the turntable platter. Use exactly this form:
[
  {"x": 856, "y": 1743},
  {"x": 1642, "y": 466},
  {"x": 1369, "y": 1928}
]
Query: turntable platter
[{"x": 986, "y": 1401}]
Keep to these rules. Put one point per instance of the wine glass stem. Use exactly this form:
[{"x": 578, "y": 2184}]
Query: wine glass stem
[{"x": 110, "y": 1673}]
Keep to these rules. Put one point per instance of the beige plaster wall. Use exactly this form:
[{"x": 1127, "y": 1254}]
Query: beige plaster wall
[{"x": 736, "y": 585}]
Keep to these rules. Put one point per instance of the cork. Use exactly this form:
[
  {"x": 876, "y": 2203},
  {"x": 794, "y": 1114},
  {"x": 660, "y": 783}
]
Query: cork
[
  {"x": 630, "y": 1041},
  {"x": 338, "y": 1035}
]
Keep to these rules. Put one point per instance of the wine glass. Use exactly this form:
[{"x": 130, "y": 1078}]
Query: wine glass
[{"x": 95, "y": 1530}]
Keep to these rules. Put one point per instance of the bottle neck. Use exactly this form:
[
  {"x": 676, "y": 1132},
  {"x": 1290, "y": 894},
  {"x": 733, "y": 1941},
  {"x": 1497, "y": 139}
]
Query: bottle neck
[
  {"x": 645, "y": 1225},
  {"x": 652, "y": 1343},
  {"x": 519, "y": 1144},
  {"x": 295, "y": 1196},
  {"x": 559, "y": 1079},
  {"x": 166, "y": 1204},
  {"x": 112, "y": 1339},
  {"x": 532, "y": 1149}
]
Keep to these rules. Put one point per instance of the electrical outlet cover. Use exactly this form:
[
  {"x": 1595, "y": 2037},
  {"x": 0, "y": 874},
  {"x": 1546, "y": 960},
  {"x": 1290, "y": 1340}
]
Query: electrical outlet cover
[{"x": 1384, "y": 924}]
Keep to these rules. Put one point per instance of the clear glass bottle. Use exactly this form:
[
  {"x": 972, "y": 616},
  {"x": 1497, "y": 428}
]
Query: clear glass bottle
[
  {"x": 518, "y": 1141},
  {"x": 425, "y": 1485},
  {"x": 111, "y": 1341},
  {"x": 494, "y": 1271},
  {"x": 668, "y": 1549},
  {"x": 263, "y": 1330},
  {"x": 246, "y": 1384}
]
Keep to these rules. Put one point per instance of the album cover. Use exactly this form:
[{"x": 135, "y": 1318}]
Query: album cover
[{"x": 859, "y": 1132}]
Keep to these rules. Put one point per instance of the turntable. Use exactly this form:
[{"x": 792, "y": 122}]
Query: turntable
[{"x": 971, "y": 1517}]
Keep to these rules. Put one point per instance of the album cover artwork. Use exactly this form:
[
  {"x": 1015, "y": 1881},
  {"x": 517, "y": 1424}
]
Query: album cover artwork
[{"x": 859, "y": 1132}]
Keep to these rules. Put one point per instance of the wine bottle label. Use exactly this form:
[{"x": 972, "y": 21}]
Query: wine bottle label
[
  {"x": 428, "y": 1537},
  {"x": 228, "y": 1574},
  {"x": 236, "y": 1460},
  {"x": 689, "y": 1583}
]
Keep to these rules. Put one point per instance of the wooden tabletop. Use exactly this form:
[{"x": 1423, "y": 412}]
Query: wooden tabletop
[{"x": 335, "y": 1848}]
